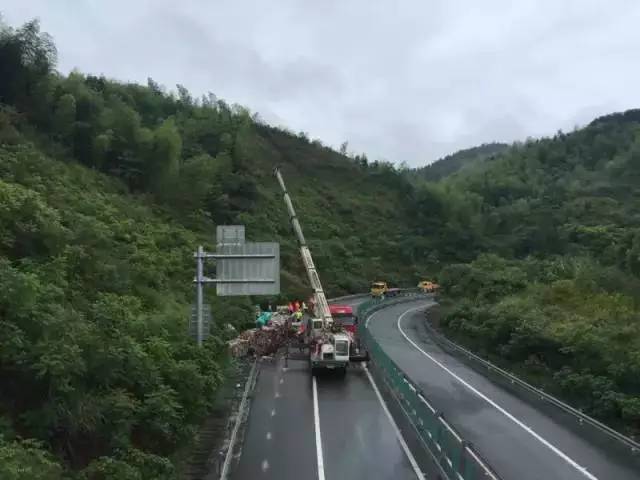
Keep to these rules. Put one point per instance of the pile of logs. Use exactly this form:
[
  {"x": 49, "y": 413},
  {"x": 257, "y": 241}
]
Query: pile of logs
[{"x": 261, "y": 341}]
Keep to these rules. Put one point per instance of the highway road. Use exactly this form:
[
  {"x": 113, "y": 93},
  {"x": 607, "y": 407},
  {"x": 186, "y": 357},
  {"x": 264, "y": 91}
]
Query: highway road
[
  {"x": 288, "y": 413},
  {"x": 519, "y": 441}
]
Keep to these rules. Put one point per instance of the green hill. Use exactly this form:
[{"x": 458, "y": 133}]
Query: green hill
[
  {"x": 554, "y": 292},
  {"x": 107, "y": 189},
  {"x": 452, "y": 163}
]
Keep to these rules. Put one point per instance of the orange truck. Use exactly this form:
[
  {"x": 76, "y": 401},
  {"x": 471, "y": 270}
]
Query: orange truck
[{"x": 428, "y": 287}]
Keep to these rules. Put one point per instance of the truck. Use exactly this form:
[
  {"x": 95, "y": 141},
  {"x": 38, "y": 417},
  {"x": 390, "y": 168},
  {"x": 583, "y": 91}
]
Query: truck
[
  {"x": 428, "y": 286},
  {"x": 330, "y": 345},
  {"x": 343, "y": 315},
  {"x": 378, "y": 289}
]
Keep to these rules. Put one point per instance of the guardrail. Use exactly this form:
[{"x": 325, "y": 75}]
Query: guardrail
[
  {"x": 401, "y": 292},
  {"x": 455, "y": 456},
  {"x": 348, "y": 297},
  {"x": 581, "y": 417}
]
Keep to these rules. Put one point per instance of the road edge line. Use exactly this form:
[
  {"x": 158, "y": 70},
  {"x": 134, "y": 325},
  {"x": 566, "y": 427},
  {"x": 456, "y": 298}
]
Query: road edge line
[
  {"x": 526, "y": 428},
  {"x": 403, "y": 443},
  {"x": 239, "y": 416},
  {"x": 316, "y": 421}
]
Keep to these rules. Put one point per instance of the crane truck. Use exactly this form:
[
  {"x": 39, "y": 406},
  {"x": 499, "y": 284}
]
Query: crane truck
[{"x": 330, "y": 345}]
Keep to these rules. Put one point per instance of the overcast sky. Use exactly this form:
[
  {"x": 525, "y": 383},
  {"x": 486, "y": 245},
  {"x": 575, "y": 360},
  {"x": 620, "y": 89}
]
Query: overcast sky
[{"x": 409, "y": 80}]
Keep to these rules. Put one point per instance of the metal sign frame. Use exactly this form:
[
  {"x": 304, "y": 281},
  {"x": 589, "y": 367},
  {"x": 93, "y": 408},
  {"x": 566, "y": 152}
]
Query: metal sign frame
[{"x": 242, "y": 268}]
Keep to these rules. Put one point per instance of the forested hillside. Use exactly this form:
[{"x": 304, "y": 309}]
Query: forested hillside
[
  {"x": 457, "y": 161},
  {"x": 554, "y": 292},
  {"x": 208, "y": 163},
  {"x": 106, "y": 190}
]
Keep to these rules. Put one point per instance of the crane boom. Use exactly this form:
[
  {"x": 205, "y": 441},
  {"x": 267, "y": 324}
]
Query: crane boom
[{"x": 321, "y": 304}]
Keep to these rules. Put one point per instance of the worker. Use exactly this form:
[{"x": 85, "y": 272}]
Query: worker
[
  {"x": 290, "y": 307},
  {"x": 297, "y": 305}
]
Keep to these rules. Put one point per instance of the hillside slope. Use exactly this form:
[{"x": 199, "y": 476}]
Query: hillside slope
[
  {"x": 95, "y": 361},
  {"x": 554, "y": 292},
  {"x": 457, "y": 161},
  {"x": 209, "y": 163},
  {"x": 107, "y": 189}
]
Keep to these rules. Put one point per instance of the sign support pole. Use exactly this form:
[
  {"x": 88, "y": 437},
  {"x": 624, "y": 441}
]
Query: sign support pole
[{"x": 199, "y": 306}]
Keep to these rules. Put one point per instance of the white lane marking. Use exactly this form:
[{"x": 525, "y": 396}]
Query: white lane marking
[
  {"x": 273, "y": 412},
  {"x": 277, "y": 394},
  {"x": 366, "y": 324},
  {"x": 526, "y": 428},
  {"x": 281, "y": 381},
  {"x": 316, "y": 420},
  {"x": 404, "y": 445},
  {"x": 265, "y": 465},
  {"x": 268, "y": 435}
]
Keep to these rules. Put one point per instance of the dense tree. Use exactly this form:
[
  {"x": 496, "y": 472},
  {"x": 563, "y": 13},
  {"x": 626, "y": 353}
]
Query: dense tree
[
  {"x": 561, "y": 303},
  {"x": 537, "y": 247},
  {"x": 105, "y": 191},
  {"x": 27, "y": 57},
  {"x": 457, "y": 161}
]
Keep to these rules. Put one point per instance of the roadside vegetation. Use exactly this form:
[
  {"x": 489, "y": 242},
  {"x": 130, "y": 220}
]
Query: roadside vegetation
[
  {"x": 106, "y": 189},
  {"x": 554, "y": 292}
]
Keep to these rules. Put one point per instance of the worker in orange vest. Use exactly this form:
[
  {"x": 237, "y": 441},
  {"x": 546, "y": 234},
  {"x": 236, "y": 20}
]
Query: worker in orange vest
[{"x": 297, "y": 305}]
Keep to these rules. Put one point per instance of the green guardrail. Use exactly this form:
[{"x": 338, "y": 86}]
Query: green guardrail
[{"x": 456, "y": 457}]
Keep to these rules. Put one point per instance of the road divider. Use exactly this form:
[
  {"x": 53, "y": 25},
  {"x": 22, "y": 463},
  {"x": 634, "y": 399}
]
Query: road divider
[
  {"x": 581, "y": 469},
  {"x": 399, "y": 436},
  {"x": 453, "y": 455}
]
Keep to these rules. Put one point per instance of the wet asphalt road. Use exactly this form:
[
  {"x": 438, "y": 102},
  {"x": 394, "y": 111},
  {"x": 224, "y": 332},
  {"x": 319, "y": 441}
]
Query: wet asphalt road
[
  {"x": 358, "y": 439},
  {"x": 556, "y": 453}
]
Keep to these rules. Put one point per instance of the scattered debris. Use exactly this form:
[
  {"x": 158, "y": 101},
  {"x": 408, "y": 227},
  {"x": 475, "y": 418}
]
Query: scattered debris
[{"x": 263, "y": 341}]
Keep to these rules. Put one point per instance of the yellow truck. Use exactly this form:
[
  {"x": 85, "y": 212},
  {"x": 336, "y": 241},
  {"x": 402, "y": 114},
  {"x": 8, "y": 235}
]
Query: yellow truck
[
  {"x": 428, "y": 287},
  {"x": 379, "y": 289}
]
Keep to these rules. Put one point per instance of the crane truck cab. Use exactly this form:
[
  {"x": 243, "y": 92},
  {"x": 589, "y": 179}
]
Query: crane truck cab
[{"x": 329, "y": 351}]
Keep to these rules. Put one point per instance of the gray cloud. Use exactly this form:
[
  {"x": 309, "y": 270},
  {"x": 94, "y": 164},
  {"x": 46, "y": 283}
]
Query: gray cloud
[{"x": 405, "y": 81}]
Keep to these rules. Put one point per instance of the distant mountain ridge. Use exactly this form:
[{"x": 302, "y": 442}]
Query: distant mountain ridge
[{"x": 452, "y": 163}]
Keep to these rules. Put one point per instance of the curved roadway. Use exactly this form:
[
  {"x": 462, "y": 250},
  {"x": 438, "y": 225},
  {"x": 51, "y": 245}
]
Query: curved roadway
[
  {"x": 358, "y": 438},
  {"x": 520, "y": 442}
]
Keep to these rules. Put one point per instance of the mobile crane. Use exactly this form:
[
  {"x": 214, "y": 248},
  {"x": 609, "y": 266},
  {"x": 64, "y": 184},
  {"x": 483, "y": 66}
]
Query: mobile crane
[{"x": 330, "y": 345}]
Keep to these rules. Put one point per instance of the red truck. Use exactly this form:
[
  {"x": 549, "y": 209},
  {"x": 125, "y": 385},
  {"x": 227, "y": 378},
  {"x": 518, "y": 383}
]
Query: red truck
[{"x": 343, "y": 315}]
